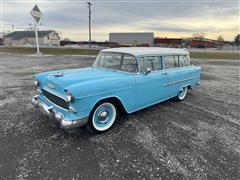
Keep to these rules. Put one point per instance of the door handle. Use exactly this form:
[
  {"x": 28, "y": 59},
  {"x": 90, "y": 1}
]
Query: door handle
[{"x": 164, "y": 73}]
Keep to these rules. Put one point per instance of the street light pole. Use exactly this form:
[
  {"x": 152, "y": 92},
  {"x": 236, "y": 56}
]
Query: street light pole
[{"x": 89, "y": 22}]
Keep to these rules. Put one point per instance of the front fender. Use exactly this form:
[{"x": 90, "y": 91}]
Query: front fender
[{"x": 88, "y": 93}]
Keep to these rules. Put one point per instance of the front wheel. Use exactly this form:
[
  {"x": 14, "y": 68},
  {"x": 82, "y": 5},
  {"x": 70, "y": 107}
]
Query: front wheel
[
  {"x": 102, "y": 117},
  {"x": 182, "y": 93}
]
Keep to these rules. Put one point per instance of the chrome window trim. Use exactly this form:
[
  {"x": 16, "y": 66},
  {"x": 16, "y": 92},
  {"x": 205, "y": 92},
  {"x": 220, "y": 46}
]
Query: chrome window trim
[
  {"x": 122, "y": 57},
  {"x": 161, "y": 62}
]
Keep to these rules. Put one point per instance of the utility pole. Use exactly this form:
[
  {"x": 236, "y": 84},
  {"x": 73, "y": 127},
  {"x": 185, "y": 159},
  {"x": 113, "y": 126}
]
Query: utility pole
[
  {"x": 89, "y": 22},
  {"x": 13, "y": 27}
]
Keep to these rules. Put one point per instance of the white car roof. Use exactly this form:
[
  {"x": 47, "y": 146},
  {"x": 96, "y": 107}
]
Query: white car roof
[{"x": 140, "y": 51}]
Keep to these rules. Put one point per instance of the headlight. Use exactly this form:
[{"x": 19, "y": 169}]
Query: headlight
[
  {"x": 36, "y": 82},
  {"x": 69, "y": 97}
]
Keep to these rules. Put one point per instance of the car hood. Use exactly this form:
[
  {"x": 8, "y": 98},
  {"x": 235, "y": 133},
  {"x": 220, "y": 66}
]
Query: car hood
[{"x": 61, "y": 80}]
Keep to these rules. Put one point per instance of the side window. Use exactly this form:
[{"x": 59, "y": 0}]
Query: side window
[
  {"x": 188, "y": 60},
  {"x": 129, "y": 64},
  {"x": 171, "y": 62},
  {"x": 152, "y": 62},
  {"x": 156, "y": 63},
  {"x": 184, "y": 61},
  {"x": 112, "y": 60}
]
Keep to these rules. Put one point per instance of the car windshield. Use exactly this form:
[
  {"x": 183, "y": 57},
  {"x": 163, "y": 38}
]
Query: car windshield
[{"x": 116, "y": 61}]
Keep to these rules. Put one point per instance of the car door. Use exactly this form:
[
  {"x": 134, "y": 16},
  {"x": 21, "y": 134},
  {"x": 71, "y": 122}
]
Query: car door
[
  {"x": 170, "y": 64},
  {"x": 179, "y": 72},
  {"x": 150, "y": 85}
]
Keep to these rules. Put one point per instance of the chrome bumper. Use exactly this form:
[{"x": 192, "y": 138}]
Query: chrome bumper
[{"x": 53, "y": 114}]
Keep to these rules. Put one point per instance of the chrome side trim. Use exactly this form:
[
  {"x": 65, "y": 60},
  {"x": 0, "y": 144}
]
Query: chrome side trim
[{"x": 175, "y": 82}]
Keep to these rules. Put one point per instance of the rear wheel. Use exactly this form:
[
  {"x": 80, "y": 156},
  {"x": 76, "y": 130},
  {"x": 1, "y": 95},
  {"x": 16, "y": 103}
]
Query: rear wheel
[
  {"x": 102, "y": 117},
  {"x": 182, "y": 93}
]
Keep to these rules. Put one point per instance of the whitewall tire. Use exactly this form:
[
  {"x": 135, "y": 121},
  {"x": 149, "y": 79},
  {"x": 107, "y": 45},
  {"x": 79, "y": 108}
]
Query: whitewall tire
[{"x": 102, "y": 117}]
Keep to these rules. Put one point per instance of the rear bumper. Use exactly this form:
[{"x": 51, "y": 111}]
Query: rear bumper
[{"x": 53, "y": 114}]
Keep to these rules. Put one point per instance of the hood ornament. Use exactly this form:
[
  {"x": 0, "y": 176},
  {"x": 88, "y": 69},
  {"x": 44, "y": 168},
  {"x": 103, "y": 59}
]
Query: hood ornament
[{"x": 59, "y": 74}]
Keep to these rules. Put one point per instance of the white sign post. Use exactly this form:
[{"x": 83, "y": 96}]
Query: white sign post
[{"x": 37, "y": 15}]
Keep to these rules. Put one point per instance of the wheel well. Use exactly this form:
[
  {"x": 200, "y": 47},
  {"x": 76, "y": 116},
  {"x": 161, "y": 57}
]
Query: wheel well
[
  {"x": 189, "y": 87},
  {"x": 117, "y": 102}
]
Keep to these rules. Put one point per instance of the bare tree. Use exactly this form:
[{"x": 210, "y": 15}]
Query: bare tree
[
  {"x": 237, "y": 40},
  {"x": 220, "y": 41},
  {"x": 200, "y": 35},
  {"x": 220, "y": 38}
]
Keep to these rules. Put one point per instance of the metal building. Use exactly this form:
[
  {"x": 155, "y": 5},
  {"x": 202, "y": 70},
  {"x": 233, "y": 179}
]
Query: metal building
[{"x": 133, "y": 39}]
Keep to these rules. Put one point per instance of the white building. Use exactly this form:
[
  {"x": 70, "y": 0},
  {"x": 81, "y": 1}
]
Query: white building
[
  {"x": 27, "y": 38},
  {"x": 132, "y": 39}
]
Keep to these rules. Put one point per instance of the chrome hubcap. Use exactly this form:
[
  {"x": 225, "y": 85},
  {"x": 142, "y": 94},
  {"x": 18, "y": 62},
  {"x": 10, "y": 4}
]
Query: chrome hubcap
[
  {"x": 103, "y": 115},
  {"x": 182, "y": 93}
]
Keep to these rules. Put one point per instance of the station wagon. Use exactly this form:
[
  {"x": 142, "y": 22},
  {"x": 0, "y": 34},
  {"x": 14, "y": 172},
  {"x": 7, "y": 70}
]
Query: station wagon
[{"x": 120, "y": 80}]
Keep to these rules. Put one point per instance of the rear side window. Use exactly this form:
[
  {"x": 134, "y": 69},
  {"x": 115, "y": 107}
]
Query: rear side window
[
  {"x": 171, "y": 62},
  {"x": 184, "y": 61},
  {"x": 152, "y": 62}
]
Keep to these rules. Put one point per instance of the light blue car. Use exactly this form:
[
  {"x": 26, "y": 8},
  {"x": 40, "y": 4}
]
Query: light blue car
[{"x": 120, "y": 80}]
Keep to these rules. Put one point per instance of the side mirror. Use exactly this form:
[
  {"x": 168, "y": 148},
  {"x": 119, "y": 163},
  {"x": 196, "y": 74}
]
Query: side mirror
[{"x": 147, "y": 71}]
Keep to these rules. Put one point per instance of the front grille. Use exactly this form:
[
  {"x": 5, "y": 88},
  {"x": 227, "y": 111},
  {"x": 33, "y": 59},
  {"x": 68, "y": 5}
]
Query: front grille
[{"x": 55, "y": 99}]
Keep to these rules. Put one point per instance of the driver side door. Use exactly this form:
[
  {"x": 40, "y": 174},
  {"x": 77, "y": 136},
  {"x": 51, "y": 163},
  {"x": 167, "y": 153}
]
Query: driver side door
[{"x": 150, "y": 87}]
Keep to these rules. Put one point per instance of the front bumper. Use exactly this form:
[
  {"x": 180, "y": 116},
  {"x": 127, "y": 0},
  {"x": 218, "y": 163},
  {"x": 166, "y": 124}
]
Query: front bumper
[{"x": 53, "y": 114}]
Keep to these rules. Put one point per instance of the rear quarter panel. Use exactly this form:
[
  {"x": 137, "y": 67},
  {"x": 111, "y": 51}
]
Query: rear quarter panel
[{"x": 181, "y": 77}]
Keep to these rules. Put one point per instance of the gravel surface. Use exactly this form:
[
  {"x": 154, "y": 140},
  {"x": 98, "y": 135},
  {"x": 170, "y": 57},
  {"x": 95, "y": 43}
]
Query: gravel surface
[{"x": 198, "y": 138}]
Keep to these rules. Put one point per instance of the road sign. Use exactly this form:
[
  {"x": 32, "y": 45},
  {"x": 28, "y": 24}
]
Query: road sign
[{"x": 36, "y": 13}]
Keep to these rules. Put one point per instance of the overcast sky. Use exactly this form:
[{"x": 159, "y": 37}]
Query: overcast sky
[{"x": 166, "y": 18}]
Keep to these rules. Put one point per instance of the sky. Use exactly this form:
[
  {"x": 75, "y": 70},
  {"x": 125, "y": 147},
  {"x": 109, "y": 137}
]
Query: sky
[{"x": 166, "y": 18}]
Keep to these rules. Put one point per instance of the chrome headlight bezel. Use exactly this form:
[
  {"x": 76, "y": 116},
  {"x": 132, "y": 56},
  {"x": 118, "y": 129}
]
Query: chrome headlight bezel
[
  {"x": 36, "y": 82},
  {"x": 69, "y": 97}
]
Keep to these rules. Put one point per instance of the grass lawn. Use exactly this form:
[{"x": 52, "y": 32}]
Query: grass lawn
[
  {"x": 72, "y": 51},
  {"x": 215, "y": 55},
  {"x": 50, "y": 51}
]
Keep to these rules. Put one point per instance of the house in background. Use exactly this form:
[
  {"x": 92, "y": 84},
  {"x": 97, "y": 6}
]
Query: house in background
[{"x": 27, "y": 38}]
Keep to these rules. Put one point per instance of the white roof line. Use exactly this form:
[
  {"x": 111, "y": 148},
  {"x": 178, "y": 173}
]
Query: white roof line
[{"x": 140, "y": 51}]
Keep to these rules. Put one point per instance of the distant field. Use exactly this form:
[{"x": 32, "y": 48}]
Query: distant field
[
  {"x": 51, "y": 51},
  {"x": 72, "y": 51}
]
